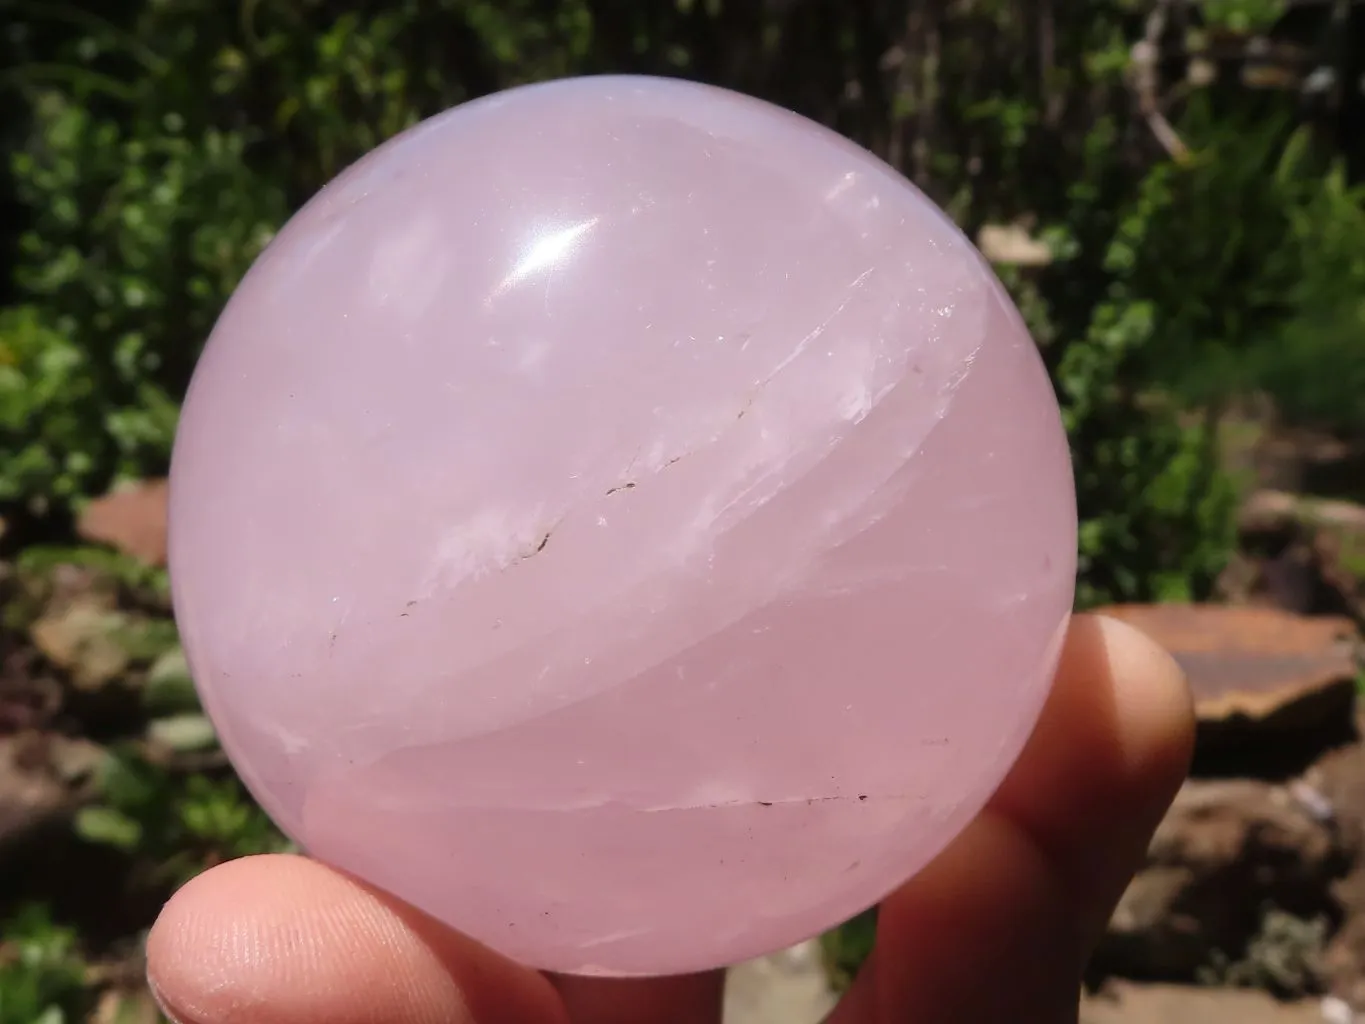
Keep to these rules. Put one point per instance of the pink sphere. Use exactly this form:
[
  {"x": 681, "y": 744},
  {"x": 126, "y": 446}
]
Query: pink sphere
[{"x": 625, "y": 520}]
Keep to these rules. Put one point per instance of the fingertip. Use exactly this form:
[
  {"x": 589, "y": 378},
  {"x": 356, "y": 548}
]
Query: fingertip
[
  {"x": 1117, "y": 733},
  {"x": 279, "y": 940},
  {"x": 1111, "y": 749},
  {"x": 1152, "y": 700},
  {"x": 286, "y": 940}
]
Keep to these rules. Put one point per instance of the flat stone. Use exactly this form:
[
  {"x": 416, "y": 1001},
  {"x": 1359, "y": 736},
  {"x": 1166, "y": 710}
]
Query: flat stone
[
  {"x": 1269, "y": 509},
  {"x": 790, "y": 987},
  {"x": 131, "y": 519},
  {"x": 1255, "y": 664},
  {"x": 1178, "y": 1004}
]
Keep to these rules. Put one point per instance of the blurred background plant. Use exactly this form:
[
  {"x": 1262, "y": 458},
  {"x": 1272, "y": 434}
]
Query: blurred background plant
[{"x": 1170, "y": 189}]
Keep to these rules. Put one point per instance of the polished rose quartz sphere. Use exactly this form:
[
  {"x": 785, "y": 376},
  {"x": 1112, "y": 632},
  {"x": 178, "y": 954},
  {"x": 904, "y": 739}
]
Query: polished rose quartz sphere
[{"x": 625, "y": 520}]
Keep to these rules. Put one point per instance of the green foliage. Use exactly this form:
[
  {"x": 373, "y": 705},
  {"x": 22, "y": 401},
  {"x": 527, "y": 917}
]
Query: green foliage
[
  {"x": 42, "y": 977},
  {"x": 846, "y": 948},
  {"x": 1255, "y": 253},
  {"x": 1157, "y": 512},
  {"x": 1284, "y": 957},
  {"x": 163, "y": 144},
  {"x": 44, "y": 411},
  {"x": 39, "y": 561},
  {"x": 180, "y": 823},
  {"x": 164, "y": 141},
  {"x": 1314, "y": 361},
  {"x": 139, "y": 226},
  {"x": 1243, "y": 16}
]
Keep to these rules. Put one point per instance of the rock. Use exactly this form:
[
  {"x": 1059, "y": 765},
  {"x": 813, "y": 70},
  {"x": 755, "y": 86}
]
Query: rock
[
  {"x": 1338, "y": 1011},
  {"x": 121, "y": 1007},
  {"x": 790, "y": 987},
  {"x": 1128, "y": 1003},
  {"x": 1302, "y": 554},
  {"x": 1227, "y": 851},
  {"x": 28, "y": 700},
  {"x": 42, "y": 777},
  {"x": 1012, "y": 245},
  {"x": 63, "y": 583},
  {"x": 1254, "y": 663},
  {"x": 1264, "y": 680},
  {"x": 1344, "y": 960},
  {"x": 27, "y": 797},
  {"x": 1270, "y": 509},
  {"x": 1339, "y": 781},
  {"x": 131, "y": 519},
  {"x": 82, "y": 638}
]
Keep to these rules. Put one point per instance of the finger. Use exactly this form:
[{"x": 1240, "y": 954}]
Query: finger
[
  {"x": 1104, "y": 763},
  {"x": 999, "y": 926},
  {"x": 285, "y": 940},
  {"x": 682, "y": 999}
]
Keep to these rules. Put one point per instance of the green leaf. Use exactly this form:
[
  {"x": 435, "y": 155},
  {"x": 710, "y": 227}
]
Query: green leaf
[
  {"x": 183, "y": 733},
  {"x": 108, "y": 827}
]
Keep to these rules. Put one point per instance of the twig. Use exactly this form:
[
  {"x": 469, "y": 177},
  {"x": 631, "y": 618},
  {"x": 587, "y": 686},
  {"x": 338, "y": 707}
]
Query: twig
[{"x": 1144, "y": 76}]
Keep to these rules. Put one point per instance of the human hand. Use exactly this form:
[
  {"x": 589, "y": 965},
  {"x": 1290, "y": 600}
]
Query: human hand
[{"x": 997, "y": 929}]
